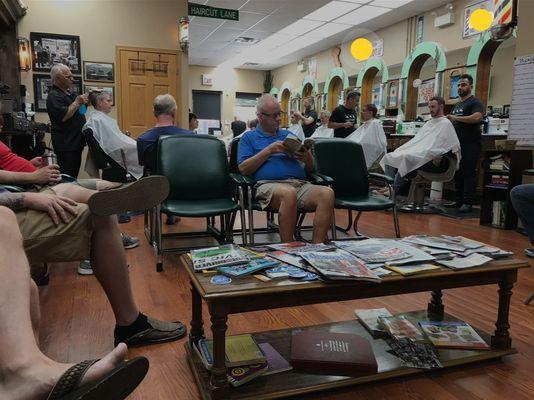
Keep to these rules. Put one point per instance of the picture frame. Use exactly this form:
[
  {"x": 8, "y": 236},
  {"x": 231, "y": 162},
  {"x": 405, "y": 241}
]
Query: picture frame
[
  {"x": 392, "y": 94},
  {"x": 42, "y": 84},
  {"x": 467, "y": 31},
  {"x": 451, "y": 77},
  {"x": 96, "y": 71},
  {"x": 425, "y": 92},
  {"x": 51, "y": 48},
  {"x": 107, "y": 89}
]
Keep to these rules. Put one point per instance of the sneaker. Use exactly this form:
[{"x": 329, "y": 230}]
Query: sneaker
[
  {"x": 529, "y": 252},
  {"x": 158, "y": 332},
  {"x": 136, "y": 196},
  {"x": 129, "y": 242},
  {"x": 84, "y": 268},
  {"x": 465, "y": 208}
]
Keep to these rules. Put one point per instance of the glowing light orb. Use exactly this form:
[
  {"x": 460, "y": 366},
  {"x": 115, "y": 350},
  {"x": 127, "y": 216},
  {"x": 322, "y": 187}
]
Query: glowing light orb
[
  {"x": 361, "y": 49},
  {"x": 480, "y": 19}
]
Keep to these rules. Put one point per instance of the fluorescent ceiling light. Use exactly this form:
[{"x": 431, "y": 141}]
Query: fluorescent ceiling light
[
  {"x": 390, "y": 3},
  {"x": 331, "y": 10},
  {"x": 328, "y": 30},
  {"x": 361, "y": 14},
  {"x": 300, "y": 27}
]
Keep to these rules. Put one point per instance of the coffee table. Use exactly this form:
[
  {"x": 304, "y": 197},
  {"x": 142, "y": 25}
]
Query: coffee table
[{"x": 250, "y": 294}]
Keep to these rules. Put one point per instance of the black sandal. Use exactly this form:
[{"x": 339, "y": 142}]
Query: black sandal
[{"x": 117, "y": 384}]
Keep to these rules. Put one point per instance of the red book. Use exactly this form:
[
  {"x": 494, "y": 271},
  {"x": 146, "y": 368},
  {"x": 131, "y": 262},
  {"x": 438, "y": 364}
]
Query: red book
[{"x": 329, "y": 353}]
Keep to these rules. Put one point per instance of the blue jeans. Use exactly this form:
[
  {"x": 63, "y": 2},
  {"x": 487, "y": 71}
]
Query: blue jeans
[{"x": 523, "y": 200}]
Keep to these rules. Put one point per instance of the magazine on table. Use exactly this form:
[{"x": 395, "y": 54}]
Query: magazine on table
[
  {"x": 416, "y": 255},
  {"x": 296, "y": 248},
  {"x": 471, "y": 261},
  {"x": 399, "y": 327},
  {"x": 213, "y": 257},
  {"x": 339, "y": 264},
  {"x": 369, "y": 319},
  {"x": 287, "y": 258},
  {"x": 408, "y": 269},
  {"x": 373, "y": 251},
  {"x": 440, "y": 242},
  {"x": 414, "y": 354},
  {"x": 453, "y": 335},
  {"x": 236, "y": 271}
]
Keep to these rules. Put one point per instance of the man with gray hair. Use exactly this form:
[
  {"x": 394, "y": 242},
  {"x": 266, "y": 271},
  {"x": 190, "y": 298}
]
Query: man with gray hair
[
  {"x": 67, "y": 119},
  {"x": 165, "y": 113},
  {"x": 281, "y": 175}
]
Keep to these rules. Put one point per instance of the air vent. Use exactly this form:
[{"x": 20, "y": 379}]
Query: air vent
[
  {"x": 246, "y": 40},
  {"x": 251, "y": 64}
]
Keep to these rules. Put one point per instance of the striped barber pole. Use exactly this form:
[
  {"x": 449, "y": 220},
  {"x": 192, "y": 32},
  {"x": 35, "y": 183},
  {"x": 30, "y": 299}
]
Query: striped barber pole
[{"x": 502, "y": 11}]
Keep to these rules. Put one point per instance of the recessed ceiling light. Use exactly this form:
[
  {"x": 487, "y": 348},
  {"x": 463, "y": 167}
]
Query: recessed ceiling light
[{"x": 332, "y": 10}]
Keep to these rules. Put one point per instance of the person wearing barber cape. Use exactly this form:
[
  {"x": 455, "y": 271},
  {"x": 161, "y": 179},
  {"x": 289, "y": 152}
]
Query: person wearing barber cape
[
  {"x": 323, "y": 131},
  {"x": 370, "y": 135},
  {"x": 296, "y": 128},
  {"x": 426, "y": 151},
  {"x": 107, "y": 133}
]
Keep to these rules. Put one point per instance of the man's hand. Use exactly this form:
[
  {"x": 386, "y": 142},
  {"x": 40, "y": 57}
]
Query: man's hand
[
  {"x": 48, "y": 174},
  {"x": 451, "y": 117},
  {"x": 57, "y": 207},
  {"x": 303, "y": 155},
  {"x": 348, "y": 124},
  {"x": 277, "y": 147},
  {"x": 81, "y": 99},
  {"x": 37, "y": 162},
  {"x": 298, "y": 114}
]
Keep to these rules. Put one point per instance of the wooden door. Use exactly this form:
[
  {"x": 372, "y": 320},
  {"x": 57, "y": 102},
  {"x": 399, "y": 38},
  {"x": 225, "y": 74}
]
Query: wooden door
[{"x": 144, "y": 74}]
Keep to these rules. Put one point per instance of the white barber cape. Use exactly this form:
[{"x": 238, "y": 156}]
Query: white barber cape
[
  {"x": 297, "y": 131},
  {"x": 112, "y": 141},
  {"x": 373, "y": 140},
  {"x": 436, "y": 138},
  {"x": 323, "y": 131}
]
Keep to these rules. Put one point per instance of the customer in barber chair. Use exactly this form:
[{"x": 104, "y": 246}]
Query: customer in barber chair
[
  {"x": 370, "y": 135},
  {"x": 431, "y": 150},
  {"x": 107, "y": 133}
]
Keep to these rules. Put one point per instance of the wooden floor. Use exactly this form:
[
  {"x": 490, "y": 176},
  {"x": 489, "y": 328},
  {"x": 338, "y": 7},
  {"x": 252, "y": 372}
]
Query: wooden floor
[{"x": 77, "y": 322}]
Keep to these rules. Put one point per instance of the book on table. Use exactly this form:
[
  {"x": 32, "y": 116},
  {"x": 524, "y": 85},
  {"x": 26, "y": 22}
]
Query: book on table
[
  {"x": 239, "y": 350},
  {"x": 275, "y": 362},
  {"x": 213, "y": 257},
  {"x": 452, "y": 335},
  {"x": 369, "y": 319},
  {"x": 400, "y": 327},
  {"x": 237, "y": 271},
  {"x": 238, "y": 376},
  {"x": 339, "y": 265},
  {"x": 330, "y": 353}
]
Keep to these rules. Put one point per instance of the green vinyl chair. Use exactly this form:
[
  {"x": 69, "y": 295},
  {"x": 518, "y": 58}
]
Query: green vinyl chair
[
  {"x": 200, "y": 187},
  {"x": 341, "y": 163}
]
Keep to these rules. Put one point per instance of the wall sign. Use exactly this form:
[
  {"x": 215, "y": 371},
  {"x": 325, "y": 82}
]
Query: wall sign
[
  {"x": 200, "y": 10},
  {"x": 207, "y": 79},
  {"x": 484, "y": 4}
]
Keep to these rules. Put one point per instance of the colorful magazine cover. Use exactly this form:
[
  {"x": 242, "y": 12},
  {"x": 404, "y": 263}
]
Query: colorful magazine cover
[
  {"x": 236, "y": 271},
  {"x": 454, "y": 335},
  {"x": 399, "y": 327},
  {"x": 296, "y": 248},
  {"x": 213, "y": 257},
  {"x": 339, "y": 264}
]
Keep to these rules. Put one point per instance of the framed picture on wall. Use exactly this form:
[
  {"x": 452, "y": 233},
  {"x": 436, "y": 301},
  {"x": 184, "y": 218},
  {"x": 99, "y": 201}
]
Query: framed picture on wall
[
  {"x": 468, "y": 10},
  {"x": 98, "y": 71},
  {"x": 50, "y": 48},
  {"x": 450, "y": 84},
  {"x": 108, "y": 89},
  {"x": 392, "y": 93},
  {"x": 425, "y": 92},
  {"x": 41, "y": 88}
]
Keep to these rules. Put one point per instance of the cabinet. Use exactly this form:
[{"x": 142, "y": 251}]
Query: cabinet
[{"x": 496, "y": 208}]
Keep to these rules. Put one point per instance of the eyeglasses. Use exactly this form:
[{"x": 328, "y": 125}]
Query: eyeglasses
[{"x": 275, "y": 115}]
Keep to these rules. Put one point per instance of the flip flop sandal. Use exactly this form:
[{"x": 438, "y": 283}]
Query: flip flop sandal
[
  {"x": 136, "y": 196},
  {"x": 117, "y": 384}
]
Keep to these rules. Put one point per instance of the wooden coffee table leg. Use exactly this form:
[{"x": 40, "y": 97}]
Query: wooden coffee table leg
[
  {"x": 197, "y": 324},
  {"x": 501, "y": 339},
  {"x": 436, "y": 307},
  {"x": 219, "y": 382}
]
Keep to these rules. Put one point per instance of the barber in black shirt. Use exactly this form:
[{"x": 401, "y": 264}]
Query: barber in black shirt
[
  {"x": 466, "y": 117},
  {"x": 308, "y": 117},
  {"x": 67, "y": 122},
  {"x": 343, "y": 118}
]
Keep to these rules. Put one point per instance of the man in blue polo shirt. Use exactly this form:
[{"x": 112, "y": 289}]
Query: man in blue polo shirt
[{"x": 281, "y": 177}]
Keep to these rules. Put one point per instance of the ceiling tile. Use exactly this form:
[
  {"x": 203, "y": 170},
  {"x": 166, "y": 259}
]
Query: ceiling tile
[
  {"x": 232, "y": 4},
  {"x": 246, "y": 21},
  {"x": 263, "y": 6},
  {"x": 362, "y": 14}
]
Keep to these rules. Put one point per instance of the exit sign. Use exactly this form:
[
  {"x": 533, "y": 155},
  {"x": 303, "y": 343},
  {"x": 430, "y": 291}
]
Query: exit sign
[{"x": 200, "y": 10}]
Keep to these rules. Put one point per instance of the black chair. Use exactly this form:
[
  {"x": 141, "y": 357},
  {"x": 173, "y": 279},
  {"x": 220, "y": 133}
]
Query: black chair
[
  {"x": 111, "y": 170},
  {"x": 342, "y": 164},
  {"x": 200, "y": 187}
]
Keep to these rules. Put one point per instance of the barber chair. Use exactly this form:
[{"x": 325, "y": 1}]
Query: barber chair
[{"x": 416, "y": 195}]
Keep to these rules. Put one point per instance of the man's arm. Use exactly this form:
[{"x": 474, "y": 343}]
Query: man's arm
[
  {"x": 474, "y": 118},
  {"x": 13, "y": 201},
  {"x": 42, "y": 176},
  {"x": 251, "y": 165},
  {"x": 307, "y": 158},
  {"x": 332, "y": 124},
  {"x": 73, "y": 107},
  {"x": 59, "y": 208},
  {"x": 306, "y": 121}
]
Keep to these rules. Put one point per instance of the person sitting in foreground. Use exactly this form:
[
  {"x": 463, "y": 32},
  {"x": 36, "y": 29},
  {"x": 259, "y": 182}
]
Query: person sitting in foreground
[
  {"x": 165, "y": 112},
  {"x": 523, "y": 201},
  {"x": 56, "y": 228},
  {"x": 296, "y": 128},
  {"x": 109, "y": 136},
  {"x": 427, "y": 151},
  {"x": 323, "y": 131},
  {"x": 370, "y": 135},
  {"x": 27, "y": 373},
  {"x": 281, "y": 178}
]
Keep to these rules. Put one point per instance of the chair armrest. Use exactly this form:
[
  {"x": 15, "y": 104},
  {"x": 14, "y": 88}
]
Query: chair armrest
[
  {"x": 248, "y": 181},
  {"x": 381, "y": 177},
  {"x": 12, "y": 188},
  {"x": 316, "y": 179},
  {"x": 237, "y": 178},
  {"x": 327, "y": 180}
]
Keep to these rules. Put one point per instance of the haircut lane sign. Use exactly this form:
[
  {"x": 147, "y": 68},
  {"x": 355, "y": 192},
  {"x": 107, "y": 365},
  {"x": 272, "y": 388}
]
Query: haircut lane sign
[{"x": 200, "y": 10}]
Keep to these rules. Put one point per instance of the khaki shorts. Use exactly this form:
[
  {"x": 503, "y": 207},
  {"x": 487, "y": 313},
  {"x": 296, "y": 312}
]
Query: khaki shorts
[
  {"x": 46, "y": 242},
  {"x": 265, "y": 191}
]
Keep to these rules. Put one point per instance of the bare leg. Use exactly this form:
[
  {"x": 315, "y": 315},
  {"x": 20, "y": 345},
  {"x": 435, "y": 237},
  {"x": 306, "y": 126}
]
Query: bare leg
[
  {"x": 25, "y": 372},
  {"x": 35, "y": 310},
  {"x": 74, "y": 192},
  {"x": 108, "y": 261},
  {"x": 320, "y": 199},
  {"x": 285, "y": 200}
]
